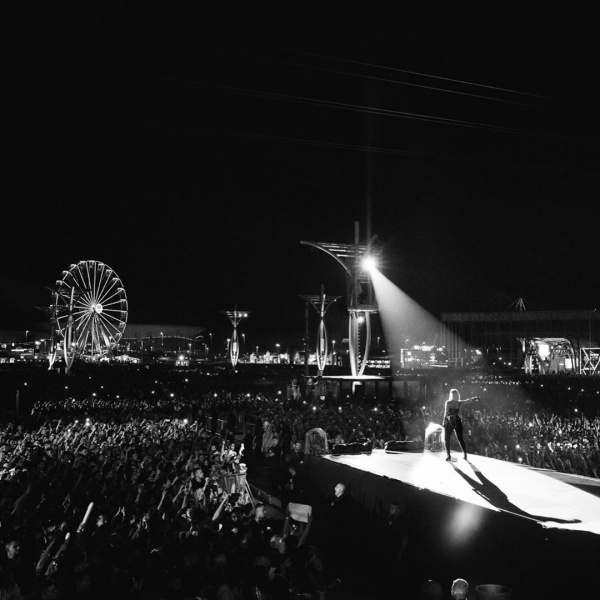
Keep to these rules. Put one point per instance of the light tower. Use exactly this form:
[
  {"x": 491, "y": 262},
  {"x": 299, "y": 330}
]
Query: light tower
[
  {"x": 53, "y": 311},
  {"x": 63, "y": 301},
  {"x": 235, "y": 316},
  {"x": 321, "y": 303},
  {"x": 361, "y": 303}
]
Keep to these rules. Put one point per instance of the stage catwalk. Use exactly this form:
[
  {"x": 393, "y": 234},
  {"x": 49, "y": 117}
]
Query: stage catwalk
[
  {"x": 486, "y": 520},
  {"x": 493, "y": 484}
]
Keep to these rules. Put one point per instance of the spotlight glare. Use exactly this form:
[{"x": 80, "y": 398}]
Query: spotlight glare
[{"x": 369, "y": 263}]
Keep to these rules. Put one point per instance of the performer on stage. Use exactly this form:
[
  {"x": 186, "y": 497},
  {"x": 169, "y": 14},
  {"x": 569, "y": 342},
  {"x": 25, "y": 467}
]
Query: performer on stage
[{"x": 452, "y": 421}]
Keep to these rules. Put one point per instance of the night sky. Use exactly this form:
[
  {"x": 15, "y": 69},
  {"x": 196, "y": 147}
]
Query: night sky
[{"x": 192, "y": 146}]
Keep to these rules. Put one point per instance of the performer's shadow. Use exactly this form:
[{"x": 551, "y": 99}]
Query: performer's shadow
[{"x": 496, "y": 497}]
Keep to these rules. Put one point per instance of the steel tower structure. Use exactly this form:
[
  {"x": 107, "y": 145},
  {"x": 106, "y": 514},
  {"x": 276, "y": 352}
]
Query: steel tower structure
[
  {"x": 321, "y": 303},
  {"x": 235, "y": 316},
  {"x": 361, "y": 301}
]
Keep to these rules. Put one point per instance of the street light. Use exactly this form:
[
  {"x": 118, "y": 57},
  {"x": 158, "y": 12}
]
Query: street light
[{"x": 278, "y": 353}]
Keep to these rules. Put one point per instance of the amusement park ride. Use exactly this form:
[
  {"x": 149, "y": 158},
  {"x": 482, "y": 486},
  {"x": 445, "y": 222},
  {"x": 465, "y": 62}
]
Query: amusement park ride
[{"x": 88, "y": 313}]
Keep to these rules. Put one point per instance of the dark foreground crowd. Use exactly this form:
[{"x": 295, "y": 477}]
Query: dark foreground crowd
[{"x": 135, "y": 497}]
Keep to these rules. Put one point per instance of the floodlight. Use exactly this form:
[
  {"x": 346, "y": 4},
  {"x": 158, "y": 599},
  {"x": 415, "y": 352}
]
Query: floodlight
[{"x": 369, "y": 263}]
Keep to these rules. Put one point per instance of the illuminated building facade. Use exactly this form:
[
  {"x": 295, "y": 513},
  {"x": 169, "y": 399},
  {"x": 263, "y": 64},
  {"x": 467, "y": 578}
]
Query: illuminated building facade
[{"x": 504, "y": 338}]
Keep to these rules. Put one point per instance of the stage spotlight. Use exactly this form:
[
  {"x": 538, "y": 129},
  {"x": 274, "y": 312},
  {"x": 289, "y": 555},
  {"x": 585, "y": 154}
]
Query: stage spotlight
[{"x": 369, "y": 263}]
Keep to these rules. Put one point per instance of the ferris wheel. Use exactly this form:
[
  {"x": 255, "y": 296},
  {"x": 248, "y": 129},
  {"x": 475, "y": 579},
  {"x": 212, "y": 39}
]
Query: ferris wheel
[{"x": 94, "y": 310}]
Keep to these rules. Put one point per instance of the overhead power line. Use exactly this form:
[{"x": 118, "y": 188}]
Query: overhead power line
[
  {"x": 394, "y": 81},
  {"x": 355, "y": 147},
  {"x": 360, "y": 108}
]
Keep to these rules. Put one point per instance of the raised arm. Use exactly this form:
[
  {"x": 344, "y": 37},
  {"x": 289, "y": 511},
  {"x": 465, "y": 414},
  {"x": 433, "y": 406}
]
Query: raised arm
[{"x": 472, "y": 399}]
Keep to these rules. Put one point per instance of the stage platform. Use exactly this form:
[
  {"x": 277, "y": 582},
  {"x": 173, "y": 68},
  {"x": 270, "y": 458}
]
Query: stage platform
[
  {"x": 550, "y": 499},
  {"x": 486, "y": 520}
]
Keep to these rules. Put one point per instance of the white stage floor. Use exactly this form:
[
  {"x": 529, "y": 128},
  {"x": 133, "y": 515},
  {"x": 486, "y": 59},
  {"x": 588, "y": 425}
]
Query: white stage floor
[{"x": 490, "y": 483}]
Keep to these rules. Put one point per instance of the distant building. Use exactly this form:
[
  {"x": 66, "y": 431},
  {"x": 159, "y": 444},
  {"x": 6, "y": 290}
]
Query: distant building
[
  {"x": 163, "y": 339},
  {"x": 502, "y": 338}
]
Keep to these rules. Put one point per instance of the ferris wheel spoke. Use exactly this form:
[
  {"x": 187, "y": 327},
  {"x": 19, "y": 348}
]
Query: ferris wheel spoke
[
  {"x": 108, "y": 325},
  {"x": 116, "y": 303},
  {"x": 86, "y": 298},
  {"x": 81, "y": 309},
  {"x": 102, "y": 337},
  {"x": 86, "y": 280},
  {"x": 106, "y": 314},
  {"x": 106, "y": 283},
  {"x": 83, "y": 323},
  {"x": 82, "y": 341},
  {"x": 81, "y": 334},
  {"x": 114, "y": 313},
  {"x": 94, "y": 339},
  {"x": 79, "y": 280},
  {"x": 95, "y": 284},
  {"x": 106, "y": 299},
  {"x": 82, "y": 313}
]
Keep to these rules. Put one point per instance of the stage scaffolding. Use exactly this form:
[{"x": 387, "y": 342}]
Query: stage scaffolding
[{"x": 496, "y": 336}]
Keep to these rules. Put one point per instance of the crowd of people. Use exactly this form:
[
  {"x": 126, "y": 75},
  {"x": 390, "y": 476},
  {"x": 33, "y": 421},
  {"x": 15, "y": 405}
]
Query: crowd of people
[
  {"x": 143, "y": 494},
  {"x": 104, "y": 503}
]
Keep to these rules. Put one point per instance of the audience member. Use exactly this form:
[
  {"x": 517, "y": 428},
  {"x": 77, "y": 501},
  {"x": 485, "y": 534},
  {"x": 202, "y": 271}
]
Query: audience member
[{"x": 459, "y": 589}]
